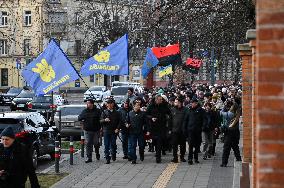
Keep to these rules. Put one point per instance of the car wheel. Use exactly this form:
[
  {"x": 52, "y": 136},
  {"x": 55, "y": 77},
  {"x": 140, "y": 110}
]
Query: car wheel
[{"x": 35, "y": 157}]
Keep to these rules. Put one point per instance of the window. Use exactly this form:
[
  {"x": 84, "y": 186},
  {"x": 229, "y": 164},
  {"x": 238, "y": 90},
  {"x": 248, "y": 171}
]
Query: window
[
  {"x": 28, "y": 18},
  {"x": 3, "y": 47},
  {"x": 4, "y": 18},
  {"x": 92, "y": 78},
  {"x": 78, "y": 47},
  {"x": 77, "y": 18},
  {"x": 27, "y": 45},
  {"x": 4, "y": 77}
]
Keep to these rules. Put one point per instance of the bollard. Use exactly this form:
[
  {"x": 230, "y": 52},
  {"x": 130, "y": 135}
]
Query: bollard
[
  {"x": 71, "y": 150},
  {"x": 82, "y": 144},
  {"x": 57, "y": 156}
]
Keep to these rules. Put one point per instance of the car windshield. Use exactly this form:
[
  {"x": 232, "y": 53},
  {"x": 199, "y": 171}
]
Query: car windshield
[
  {"x": 76, "y": 110},
  {"x": 14, "y": 90},
  {"x": 119, "y": 90},
  {"x": 96, "y": 89},
  {"x": 26, "y": 95},
  {"x": 42, "y": 99},
  {"x": 10, "y": 122}
]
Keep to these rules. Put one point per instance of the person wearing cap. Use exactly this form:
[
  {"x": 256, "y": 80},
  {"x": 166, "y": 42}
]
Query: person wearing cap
[
  {"x": 195, "y": 120},
  {"x": 92, "y": 127},
  {"x": 16, "y": 162},
  {"x": 110, "y": 119}
]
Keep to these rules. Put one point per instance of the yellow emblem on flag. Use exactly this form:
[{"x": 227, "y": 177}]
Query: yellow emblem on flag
[
  {"x": 45, "y": 71},
  {"x": 166, "y": 71},
  {"x": 102, "y": 57}
]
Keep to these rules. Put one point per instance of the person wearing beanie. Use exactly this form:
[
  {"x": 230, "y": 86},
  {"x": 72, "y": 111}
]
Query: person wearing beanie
[{"x": 16, "y": 162}]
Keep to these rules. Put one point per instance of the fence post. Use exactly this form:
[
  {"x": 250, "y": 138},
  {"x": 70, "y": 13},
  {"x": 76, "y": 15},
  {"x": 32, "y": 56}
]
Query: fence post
[
  {"x": 71, "y": 150},
  {"x": 82, "y": 144},
  {"x": 57, "y": 156}
]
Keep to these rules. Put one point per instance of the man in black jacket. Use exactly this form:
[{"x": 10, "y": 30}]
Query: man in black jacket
[
  {"x": 110, "y": 119},
  {"x": 124, "y": 117},
  {"x": 91, "y": 126},
  {"x": 158, "y": 114},
  {"x": 178, "y": 138},
  {"x": 136, "y": 126},
  {"x": 195, "y": 120},
  {"x": 15, "y": 162}
]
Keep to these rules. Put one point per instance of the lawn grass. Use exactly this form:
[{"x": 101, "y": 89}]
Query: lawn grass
[{"x": 47, "y": 180}]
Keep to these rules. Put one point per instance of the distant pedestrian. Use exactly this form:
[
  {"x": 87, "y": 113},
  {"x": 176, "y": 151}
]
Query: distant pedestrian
[
  {"x": 92, "y": 127},
  {"x": 230, "y": 126},
  {"x": 195, "y": 120},
  {"x": 15, "y": 162},
  {"x": 110, "y": 119}
]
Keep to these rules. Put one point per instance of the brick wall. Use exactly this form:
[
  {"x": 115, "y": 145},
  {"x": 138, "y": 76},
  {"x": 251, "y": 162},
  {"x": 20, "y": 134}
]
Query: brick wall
[
  {"x": 270, "y": 90},
  {"x": 246, "y": 57}
]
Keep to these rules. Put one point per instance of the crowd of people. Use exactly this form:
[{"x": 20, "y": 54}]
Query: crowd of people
[{"x": 166, "y": 119}]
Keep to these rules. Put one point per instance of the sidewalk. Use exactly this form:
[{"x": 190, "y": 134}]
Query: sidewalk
[{"x": 122, "y": 173}]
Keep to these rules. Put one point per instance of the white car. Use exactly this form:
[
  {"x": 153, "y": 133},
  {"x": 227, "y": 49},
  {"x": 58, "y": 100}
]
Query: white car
[{"x": 97, "y": 93}]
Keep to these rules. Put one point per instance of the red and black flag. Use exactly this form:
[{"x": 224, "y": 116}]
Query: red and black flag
[
  {"x": 168, "y": 55},
  {"x": 192, "y": 65}
]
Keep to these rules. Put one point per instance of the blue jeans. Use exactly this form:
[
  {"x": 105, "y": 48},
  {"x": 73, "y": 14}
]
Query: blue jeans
[
  {"x": 124, "y": 138},
  {"x": 132, "y": 143},
  {"x": 110, "y": 144}
]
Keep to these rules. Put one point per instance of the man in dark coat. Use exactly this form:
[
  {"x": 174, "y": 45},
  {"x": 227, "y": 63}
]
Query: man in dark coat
[
  {"x": 137, "y": 126},
  {"x": 195, "y": 120},
  {"x": 15, "y": 162},
  {"x": 178, "y": 138},
  {"x": 158, "y": 114},
  {"x": 110, "y": 119},
  {"x": 91, "y": 126},
  {"x": 124, "y": 120}
]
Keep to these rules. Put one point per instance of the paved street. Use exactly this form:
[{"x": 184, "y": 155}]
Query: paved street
[{"x": 122, "y": 173}]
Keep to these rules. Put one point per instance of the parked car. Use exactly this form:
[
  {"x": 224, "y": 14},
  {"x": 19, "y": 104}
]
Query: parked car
[
  {"x": 97, "y": 93},
  {"x": 20, "y": 102},
  {"x": 119, "y": 93},
  {"x": 6, "y": 98},
  {"x": 32, "y": 129},
  {"x": 70, "y": 126},
  {"x": 44, "y": 103}
]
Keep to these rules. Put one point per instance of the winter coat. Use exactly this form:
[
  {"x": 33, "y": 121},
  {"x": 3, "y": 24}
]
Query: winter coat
[
  {"x": 162, "y": 113},
  {"x": 114, "y": 116},
  {"x": 195, "y": 120},
  {"x": 91, "y": 119},
  {"x": 124, "y": 118},
  {"x": 138, "y": 122},
  {"x": 178, "y": 118},
  {"x": 17, "y": 162}
]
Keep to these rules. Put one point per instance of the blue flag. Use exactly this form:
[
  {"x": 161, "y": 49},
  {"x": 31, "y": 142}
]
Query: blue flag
[
  {"x": 50, "y": 70},
  {"x": 150, "y": 62},
  {"x": 112, "y": 60}
]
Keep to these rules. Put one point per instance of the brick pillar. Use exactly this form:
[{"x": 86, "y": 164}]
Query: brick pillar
[
  {"x": 246, "y": 57},
  {"x": 270, "y": 90},
  {"x": 251, "y": 37}
]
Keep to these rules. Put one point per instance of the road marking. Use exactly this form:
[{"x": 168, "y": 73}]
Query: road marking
[{"x": 166, "y": 175}]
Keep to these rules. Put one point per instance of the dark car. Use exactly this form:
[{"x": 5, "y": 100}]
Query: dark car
[
  {"x": 20, "y": 102},
  {"x": 6, "y": 98},
  {"x": 44, "y": 103},
  {"x": 33, "y": 130}
]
